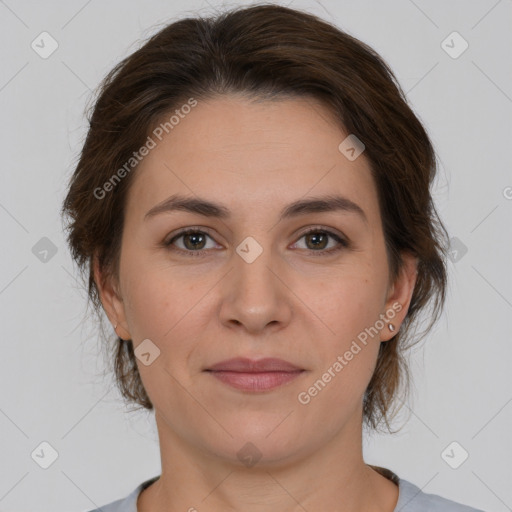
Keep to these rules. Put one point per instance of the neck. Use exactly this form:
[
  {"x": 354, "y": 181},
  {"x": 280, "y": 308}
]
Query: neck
[{"x": 332, "y": 477}]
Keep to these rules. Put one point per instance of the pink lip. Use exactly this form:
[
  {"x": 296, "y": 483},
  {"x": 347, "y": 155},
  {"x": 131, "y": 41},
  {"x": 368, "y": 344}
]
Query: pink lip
[
  {"x": 242, "y": 364},
  {"x": 255, "y": 375}
]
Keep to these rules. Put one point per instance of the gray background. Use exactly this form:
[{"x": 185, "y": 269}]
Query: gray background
[{"x": 50, "y": 369}]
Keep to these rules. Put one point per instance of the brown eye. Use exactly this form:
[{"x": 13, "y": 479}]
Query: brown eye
[
  {"x": 191, "y": 242},
  {"x": 317, "y": 240},
  {"x": 194, "y": 241}
]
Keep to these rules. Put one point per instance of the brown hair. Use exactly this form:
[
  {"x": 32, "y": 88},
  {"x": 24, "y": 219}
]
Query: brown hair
[{"x": 266, "y": 52}]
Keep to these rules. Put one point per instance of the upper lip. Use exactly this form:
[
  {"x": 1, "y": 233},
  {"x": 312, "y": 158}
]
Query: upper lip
[{"x": 245, "y": 365}]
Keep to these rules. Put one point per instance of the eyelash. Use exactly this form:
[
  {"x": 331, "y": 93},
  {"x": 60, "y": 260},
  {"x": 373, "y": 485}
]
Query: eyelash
[{"x": 343, "y": 244}]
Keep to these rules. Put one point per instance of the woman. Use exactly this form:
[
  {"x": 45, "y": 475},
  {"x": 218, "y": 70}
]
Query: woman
[{"x": 252, "y": 206}]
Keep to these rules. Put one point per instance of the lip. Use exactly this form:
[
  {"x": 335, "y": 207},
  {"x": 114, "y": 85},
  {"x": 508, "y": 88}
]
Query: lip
[
  {"x": 245, "y": 365},
  {"x": 255, "y": 375}
]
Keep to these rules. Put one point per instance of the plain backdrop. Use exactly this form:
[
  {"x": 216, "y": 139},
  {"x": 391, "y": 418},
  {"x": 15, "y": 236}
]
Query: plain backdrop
[{"x": 50, "y": 365}]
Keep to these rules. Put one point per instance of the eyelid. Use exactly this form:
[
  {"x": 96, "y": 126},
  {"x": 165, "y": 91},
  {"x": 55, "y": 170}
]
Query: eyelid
[{"x": 322, "y": 229}]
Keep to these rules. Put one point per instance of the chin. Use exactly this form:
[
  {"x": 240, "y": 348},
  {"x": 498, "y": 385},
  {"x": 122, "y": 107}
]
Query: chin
[{"x": 260, "y": 444}]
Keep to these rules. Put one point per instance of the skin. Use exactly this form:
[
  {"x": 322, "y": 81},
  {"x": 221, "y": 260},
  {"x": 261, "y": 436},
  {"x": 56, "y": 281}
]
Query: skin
[{"x": 255, "y": 158}]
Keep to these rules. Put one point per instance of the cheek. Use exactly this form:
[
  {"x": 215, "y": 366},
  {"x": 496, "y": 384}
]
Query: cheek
[
  {"x": 350, "y": 306},
  {"x": 156, "y": 309},
  {"x": 349, "y": 303},
  {"x": 346, "y": 359},
  {"x": 145, "y": 303},
  {"x": 167, "y": 308},
  {"x": 154, "y": 303}
]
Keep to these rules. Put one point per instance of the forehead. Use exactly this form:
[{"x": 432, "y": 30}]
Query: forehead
[{"x": 251, "y": 154}]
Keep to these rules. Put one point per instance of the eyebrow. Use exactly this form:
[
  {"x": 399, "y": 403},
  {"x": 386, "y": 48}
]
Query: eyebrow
[{"x": 200, "y": 206}]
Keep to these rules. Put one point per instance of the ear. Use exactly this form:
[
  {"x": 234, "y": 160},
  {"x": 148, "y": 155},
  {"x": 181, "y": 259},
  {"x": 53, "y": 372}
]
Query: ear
[
  {"x": 111, "y": 300},
  {"x": 400, "y": 295}
]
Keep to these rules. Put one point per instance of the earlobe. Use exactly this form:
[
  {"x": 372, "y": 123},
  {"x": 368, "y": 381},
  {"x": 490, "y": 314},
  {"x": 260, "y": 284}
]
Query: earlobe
[
  {"x": 111, "y": 300},
  {"x": 400, "y": 295}
]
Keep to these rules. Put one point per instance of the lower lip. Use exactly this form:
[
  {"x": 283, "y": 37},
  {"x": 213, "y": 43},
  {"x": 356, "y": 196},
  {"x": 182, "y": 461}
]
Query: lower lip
[{"x": 254, "y": 382}]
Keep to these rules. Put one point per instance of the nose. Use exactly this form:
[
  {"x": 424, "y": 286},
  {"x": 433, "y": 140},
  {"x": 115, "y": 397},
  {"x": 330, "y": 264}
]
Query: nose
[{"x": 255, "y": 297}]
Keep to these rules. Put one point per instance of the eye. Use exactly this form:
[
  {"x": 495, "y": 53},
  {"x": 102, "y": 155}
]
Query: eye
[
  {"x": 317, "y": 240},
  {"x": 192, "y": 241}
]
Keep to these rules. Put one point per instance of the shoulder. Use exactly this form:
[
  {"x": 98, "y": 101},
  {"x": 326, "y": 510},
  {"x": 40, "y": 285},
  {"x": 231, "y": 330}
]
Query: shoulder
[
  {"x": 127, "y": 504},
  {"x": 412, "y": 499},
  {"x": 122, "y": 505}
]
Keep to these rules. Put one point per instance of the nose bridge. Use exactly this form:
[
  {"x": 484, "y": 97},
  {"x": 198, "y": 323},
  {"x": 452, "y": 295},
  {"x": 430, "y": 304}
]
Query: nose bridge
[
  {"x": 254, "y": 295},
  {"x": 253, "y": 260}
]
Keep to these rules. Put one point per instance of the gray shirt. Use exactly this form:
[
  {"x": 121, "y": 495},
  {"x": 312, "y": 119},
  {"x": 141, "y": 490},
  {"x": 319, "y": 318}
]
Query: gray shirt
[{"x": 410, "y": 499}]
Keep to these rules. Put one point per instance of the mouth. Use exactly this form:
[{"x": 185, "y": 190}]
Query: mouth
[{"x": 255, "y": 375}]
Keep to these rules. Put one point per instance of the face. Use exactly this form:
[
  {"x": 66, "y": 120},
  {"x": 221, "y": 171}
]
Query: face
[{"x": 253, "y": 283}]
